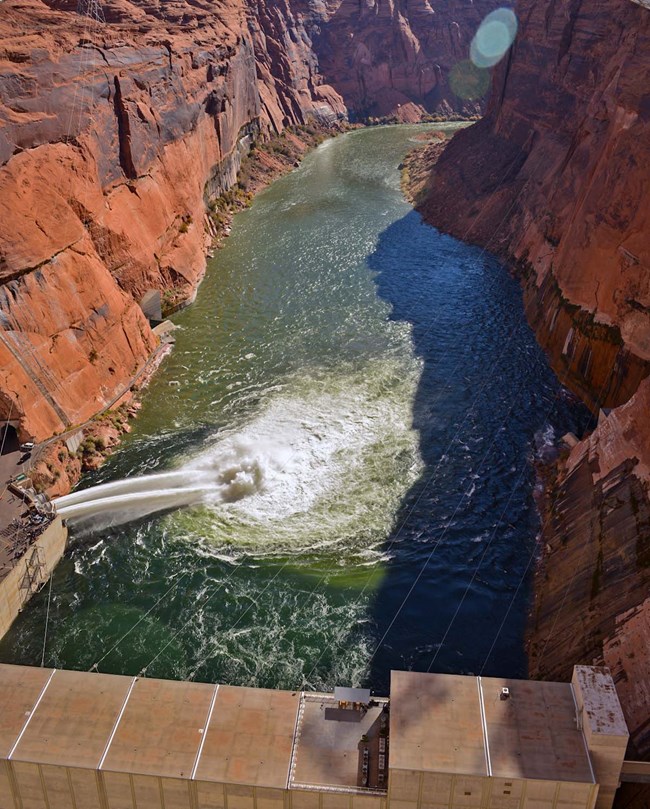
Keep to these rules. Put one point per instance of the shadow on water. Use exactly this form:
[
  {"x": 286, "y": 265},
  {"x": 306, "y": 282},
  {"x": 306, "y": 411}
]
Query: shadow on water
[{"x": 487, "y": 402}]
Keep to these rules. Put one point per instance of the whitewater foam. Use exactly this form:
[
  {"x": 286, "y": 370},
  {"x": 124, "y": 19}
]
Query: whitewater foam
[{"x": 334, "y": 448}]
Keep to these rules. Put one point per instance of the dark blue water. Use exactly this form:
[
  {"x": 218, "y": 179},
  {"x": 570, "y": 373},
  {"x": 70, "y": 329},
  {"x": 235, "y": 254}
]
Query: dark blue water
[
  {"x": 358, "y": 402},
  {"x": 486, "y": 407}
]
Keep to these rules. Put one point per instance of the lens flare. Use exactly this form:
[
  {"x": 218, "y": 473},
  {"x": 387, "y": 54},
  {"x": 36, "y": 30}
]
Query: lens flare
[{"x": 494, "y": 36}]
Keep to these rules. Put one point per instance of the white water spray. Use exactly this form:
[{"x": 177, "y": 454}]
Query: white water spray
[
  {"x": 222, "y": 478},
  {"x": 302, "y": 448}
]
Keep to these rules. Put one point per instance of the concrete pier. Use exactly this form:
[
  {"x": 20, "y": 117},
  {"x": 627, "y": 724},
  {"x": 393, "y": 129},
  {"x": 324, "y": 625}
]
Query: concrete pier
[{"x": 30, "y": 572}]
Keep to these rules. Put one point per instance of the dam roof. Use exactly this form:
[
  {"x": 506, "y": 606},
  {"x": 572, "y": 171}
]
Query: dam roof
[
  {"x": 255, "y": 737},
  {"x": 73, "y": 719},
  {"x": 169, "y": 728},
  {"x": 435, "y": 723},
  {"x": 533, "y": 734},
  {"x": 250, "y": 737},
  {"x": 174, "y": 714},
  {"x": 20, "y": 689},
  {"x": 328, "y": 748},
  {"x": 467, "y": 726}
]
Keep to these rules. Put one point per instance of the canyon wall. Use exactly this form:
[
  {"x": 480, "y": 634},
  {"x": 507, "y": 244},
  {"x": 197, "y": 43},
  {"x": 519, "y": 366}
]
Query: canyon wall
[
  {"x": 396, "y": 57},
  {"x": 556, "y": 180},
  {"x": 113, "y": 135},
  {"x": 119, "y": 125},
  {"x": 592, "y": 588}
]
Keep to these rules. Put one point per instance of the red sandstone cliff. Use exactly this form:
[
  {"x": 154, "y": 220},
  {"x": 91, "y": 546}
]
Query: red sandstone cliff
[
  {"x": 556, "y": 180},
  {"x": 394, "y": 57},
  {"x": 112, "y": 138}
]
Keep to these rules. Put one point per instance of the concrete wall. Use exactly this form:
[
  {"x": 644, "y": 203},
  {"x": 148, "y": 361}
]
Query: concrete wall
[
  {"x": 601, "y": 716},
  {"x": 25, "y": 785},
  {"x": 409, "y": 789},
  {"x": 76, "y": 740},
  {"x": 51, "y": 545}
]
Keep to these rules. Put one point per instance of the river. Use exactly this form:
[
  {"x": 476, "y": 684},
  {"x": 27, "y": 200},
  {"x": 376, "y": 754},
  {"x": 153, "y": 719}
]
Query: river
[{"x": 350, "y": 411}]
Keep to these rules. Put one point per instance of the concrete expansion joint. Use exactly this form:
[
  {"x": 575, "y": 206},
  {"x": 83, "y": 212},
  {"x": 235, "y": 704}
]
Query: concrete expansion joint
[
  {"x": 31, "y": 714},
  {"x": 486, "y": 741},
  {"x": 117, "y": 722},
  {"x": 204, "y": 733},
  {"x": 296, "y": 738}
]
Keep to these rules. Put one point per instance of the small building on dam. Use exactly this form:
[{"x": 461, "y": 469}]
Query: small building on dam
[{"x": 74, "y": 740}]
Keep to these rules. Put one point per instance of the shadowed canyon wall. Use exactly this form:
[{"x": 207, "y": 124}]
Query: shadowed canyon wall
[
  {"x": 115, "y": 132},
  {"x": 395, "y": 57},
  {"x": 556, "y": 180}
]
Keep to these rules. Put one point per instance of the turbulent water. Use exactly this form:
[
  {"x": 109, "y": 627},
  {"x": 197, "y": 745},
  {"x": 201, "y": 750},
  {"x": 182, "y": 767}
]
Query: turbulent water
[{"x": 331, "y": 475}]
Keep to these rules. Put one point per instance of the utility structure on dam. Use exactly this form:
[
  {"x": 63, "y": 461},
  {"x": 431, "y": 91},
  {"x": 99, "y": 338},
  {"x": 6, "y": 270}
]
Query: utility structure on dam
[
  {"x": 100, "y": 741},
  {"x": 27, "y": 559}
]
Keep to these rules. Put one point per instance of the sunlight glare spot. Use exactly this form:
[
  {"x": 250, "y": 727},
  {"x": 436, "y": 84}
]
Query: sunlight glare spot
[{"x": 494, "y": 36}]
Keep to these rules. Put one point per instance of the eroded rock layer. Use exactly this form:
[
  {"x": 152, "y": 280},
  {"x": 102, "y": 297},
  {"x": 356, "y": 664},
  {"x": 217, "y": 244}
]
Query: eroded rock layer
[{"x": 556, "y": 180}]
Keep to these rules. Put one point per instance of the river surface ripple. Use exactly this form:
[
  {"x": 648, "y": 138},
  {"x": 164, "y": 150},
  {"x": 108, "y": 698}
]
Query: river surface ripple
[{"x": 353, "y": 404}]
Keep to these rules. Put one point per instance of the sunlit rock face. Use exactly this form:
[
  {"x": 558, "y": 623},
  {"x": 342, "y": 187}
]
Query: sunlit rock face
[
  {"x": 556, "y": 179},
  {"x": 111, "y": 138}
]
